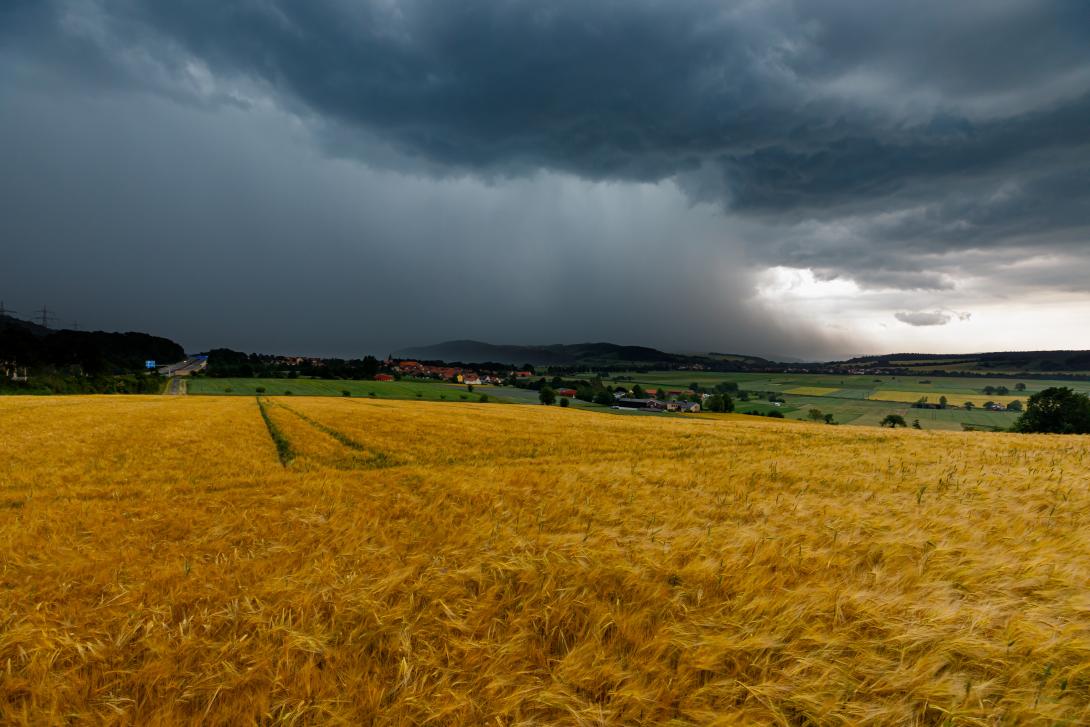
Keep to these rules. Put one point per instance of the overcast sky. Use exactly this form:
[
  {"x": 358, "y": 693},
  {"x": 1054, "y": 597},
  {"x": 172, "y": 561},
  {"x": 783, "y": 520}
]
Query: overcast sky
[{"x": 809, "y": 178}]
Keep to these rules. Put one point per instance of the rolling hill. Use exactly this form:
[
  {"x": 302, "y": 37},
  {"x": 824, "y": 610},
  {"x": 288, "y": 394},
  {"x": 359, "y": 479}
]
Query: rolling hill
[
  {"x": 995, "y": 362},
  {"x": 577, "y": 354}
]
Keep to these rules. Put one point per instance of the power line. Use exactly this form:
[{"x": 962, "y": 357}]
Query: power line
[
  {"x": 45, "y": 316},
  {"x": 6, "y": 311}
]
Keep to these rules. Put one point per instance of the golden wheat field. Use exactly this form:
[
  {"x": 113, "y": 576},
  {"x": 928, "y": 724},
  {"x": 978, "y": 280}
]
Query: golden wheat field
[{"x": 428, "y": 563}]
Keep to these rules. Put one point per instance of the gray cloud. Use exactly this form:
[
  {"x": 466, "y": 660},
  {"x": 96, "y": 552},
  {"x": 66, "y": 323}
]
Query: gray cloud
[
  {"x": 965, "y": 120},
  {"x": 929, "y": 318},
  {"x": 903, "y": 146},
  {"x": 218, "y": 229}
]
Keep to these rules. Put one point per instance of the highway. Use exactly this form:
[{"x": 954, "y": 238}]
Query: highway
[
  {"x": 183, "y": 368},
  {"x": 177, "y": 372}
]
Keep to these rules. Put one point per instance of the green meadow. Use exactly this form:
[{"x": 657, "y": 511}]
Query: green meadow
[
  {"x": 858, "y": 399},
  {"x": 425, "y": 390},
  {"x": 850, "y": 399}
]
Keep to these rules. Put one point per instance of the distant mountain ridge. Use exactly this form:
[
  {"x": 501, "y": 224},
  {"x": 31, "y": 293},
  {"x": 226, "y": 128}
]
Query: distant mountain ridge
[
  {"x": 1059, "y": 361},
  {"x": 557, "y": 354},
  {"x": 613, "y": 355}
]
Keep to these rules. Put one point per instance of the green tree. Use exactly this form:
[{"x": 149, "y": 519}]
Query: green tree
[
  {"x": 638, "y": 392},
  {"x": 661, "y": 394},
  {"x": 968, "y": 406},
  {"x": 1056, "y": 410},
  {"x": 483, "y": 399},
  {"x": 603, "y": 398},
  {"x": 1019, "y": 386},
  {"x": 694, "y": 386},
  {"x": 942, "y": 402},
  {"x": 828, "y": 419},
  {"x": 989, "y": 390},
  {"x": 369, "y": 367},
  {"x": 547, "y": 396},
  {"x": 893, "y": 421},
  {"x": 565, "y": 402},
  {"x": 1014, "y": 406},
  {"x": 719, "y": 403},
  {"x": 916, "y": 424},
  {"x": 1002, "y": 390},
  {"x": 816, "y": 414}
]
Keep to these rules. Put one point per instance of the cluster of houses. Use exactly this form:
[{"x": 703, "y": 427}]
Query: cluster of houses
[
  {"x": 623, "y": 401},
  {"x": 11, "y": 371},
  {"x": 443, "y": 373},
  {"x": 299, "y": 360},
  {"x": 684, "y": 407},
  {"x": 990, "y": 405},
  {"x": 672, "y": 401}
]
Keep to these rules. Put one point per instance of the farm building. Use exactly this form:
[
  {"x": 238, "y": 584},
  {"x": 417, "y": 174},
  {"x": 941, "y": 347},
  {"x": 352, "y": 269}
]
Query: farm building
[
  {"x": 445, "y": 373},
  {"x": 566, "y": 392},
  {"x": 383, "y": 377}
]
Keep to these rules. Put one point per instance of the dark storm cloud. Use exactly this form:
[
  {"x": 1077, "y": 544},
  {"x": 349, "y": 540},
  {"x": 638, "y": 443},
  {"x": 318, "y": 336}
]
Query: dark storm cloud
[
  {"x": 221, "y": 229},
  {"x": 904, "y": 145},
  {"x": 783, "y": 111}
]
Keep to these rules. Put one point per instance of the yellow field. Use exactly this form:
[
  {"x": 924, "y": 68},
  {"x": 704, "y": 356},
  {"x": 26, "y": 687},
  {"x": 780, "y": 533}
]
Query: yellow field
[
  {"x": 951, "y": 399},
  {"x": 811, "y": 391},
  {"x": 474, "y": 564}
]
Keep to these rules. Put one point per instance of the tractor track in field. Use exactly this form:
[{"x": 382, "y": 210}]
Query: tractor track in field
[
  {"x": 283, "y": 447},
  {"x": 375, "y": 459}
]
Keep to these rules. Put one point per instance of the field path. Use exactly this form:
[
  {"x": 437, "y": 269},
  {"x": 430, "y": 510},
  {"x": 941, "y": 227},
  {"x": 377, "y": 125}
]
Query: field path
[{"x": 176, "y": 387}]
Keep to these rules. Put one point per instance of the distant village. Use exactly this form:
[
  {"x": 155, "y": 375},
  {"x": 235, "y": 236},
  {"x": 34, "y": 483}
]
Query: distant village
[
  {"x": 622, "y": 398},
  {"x": 453, "y": 374}
]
